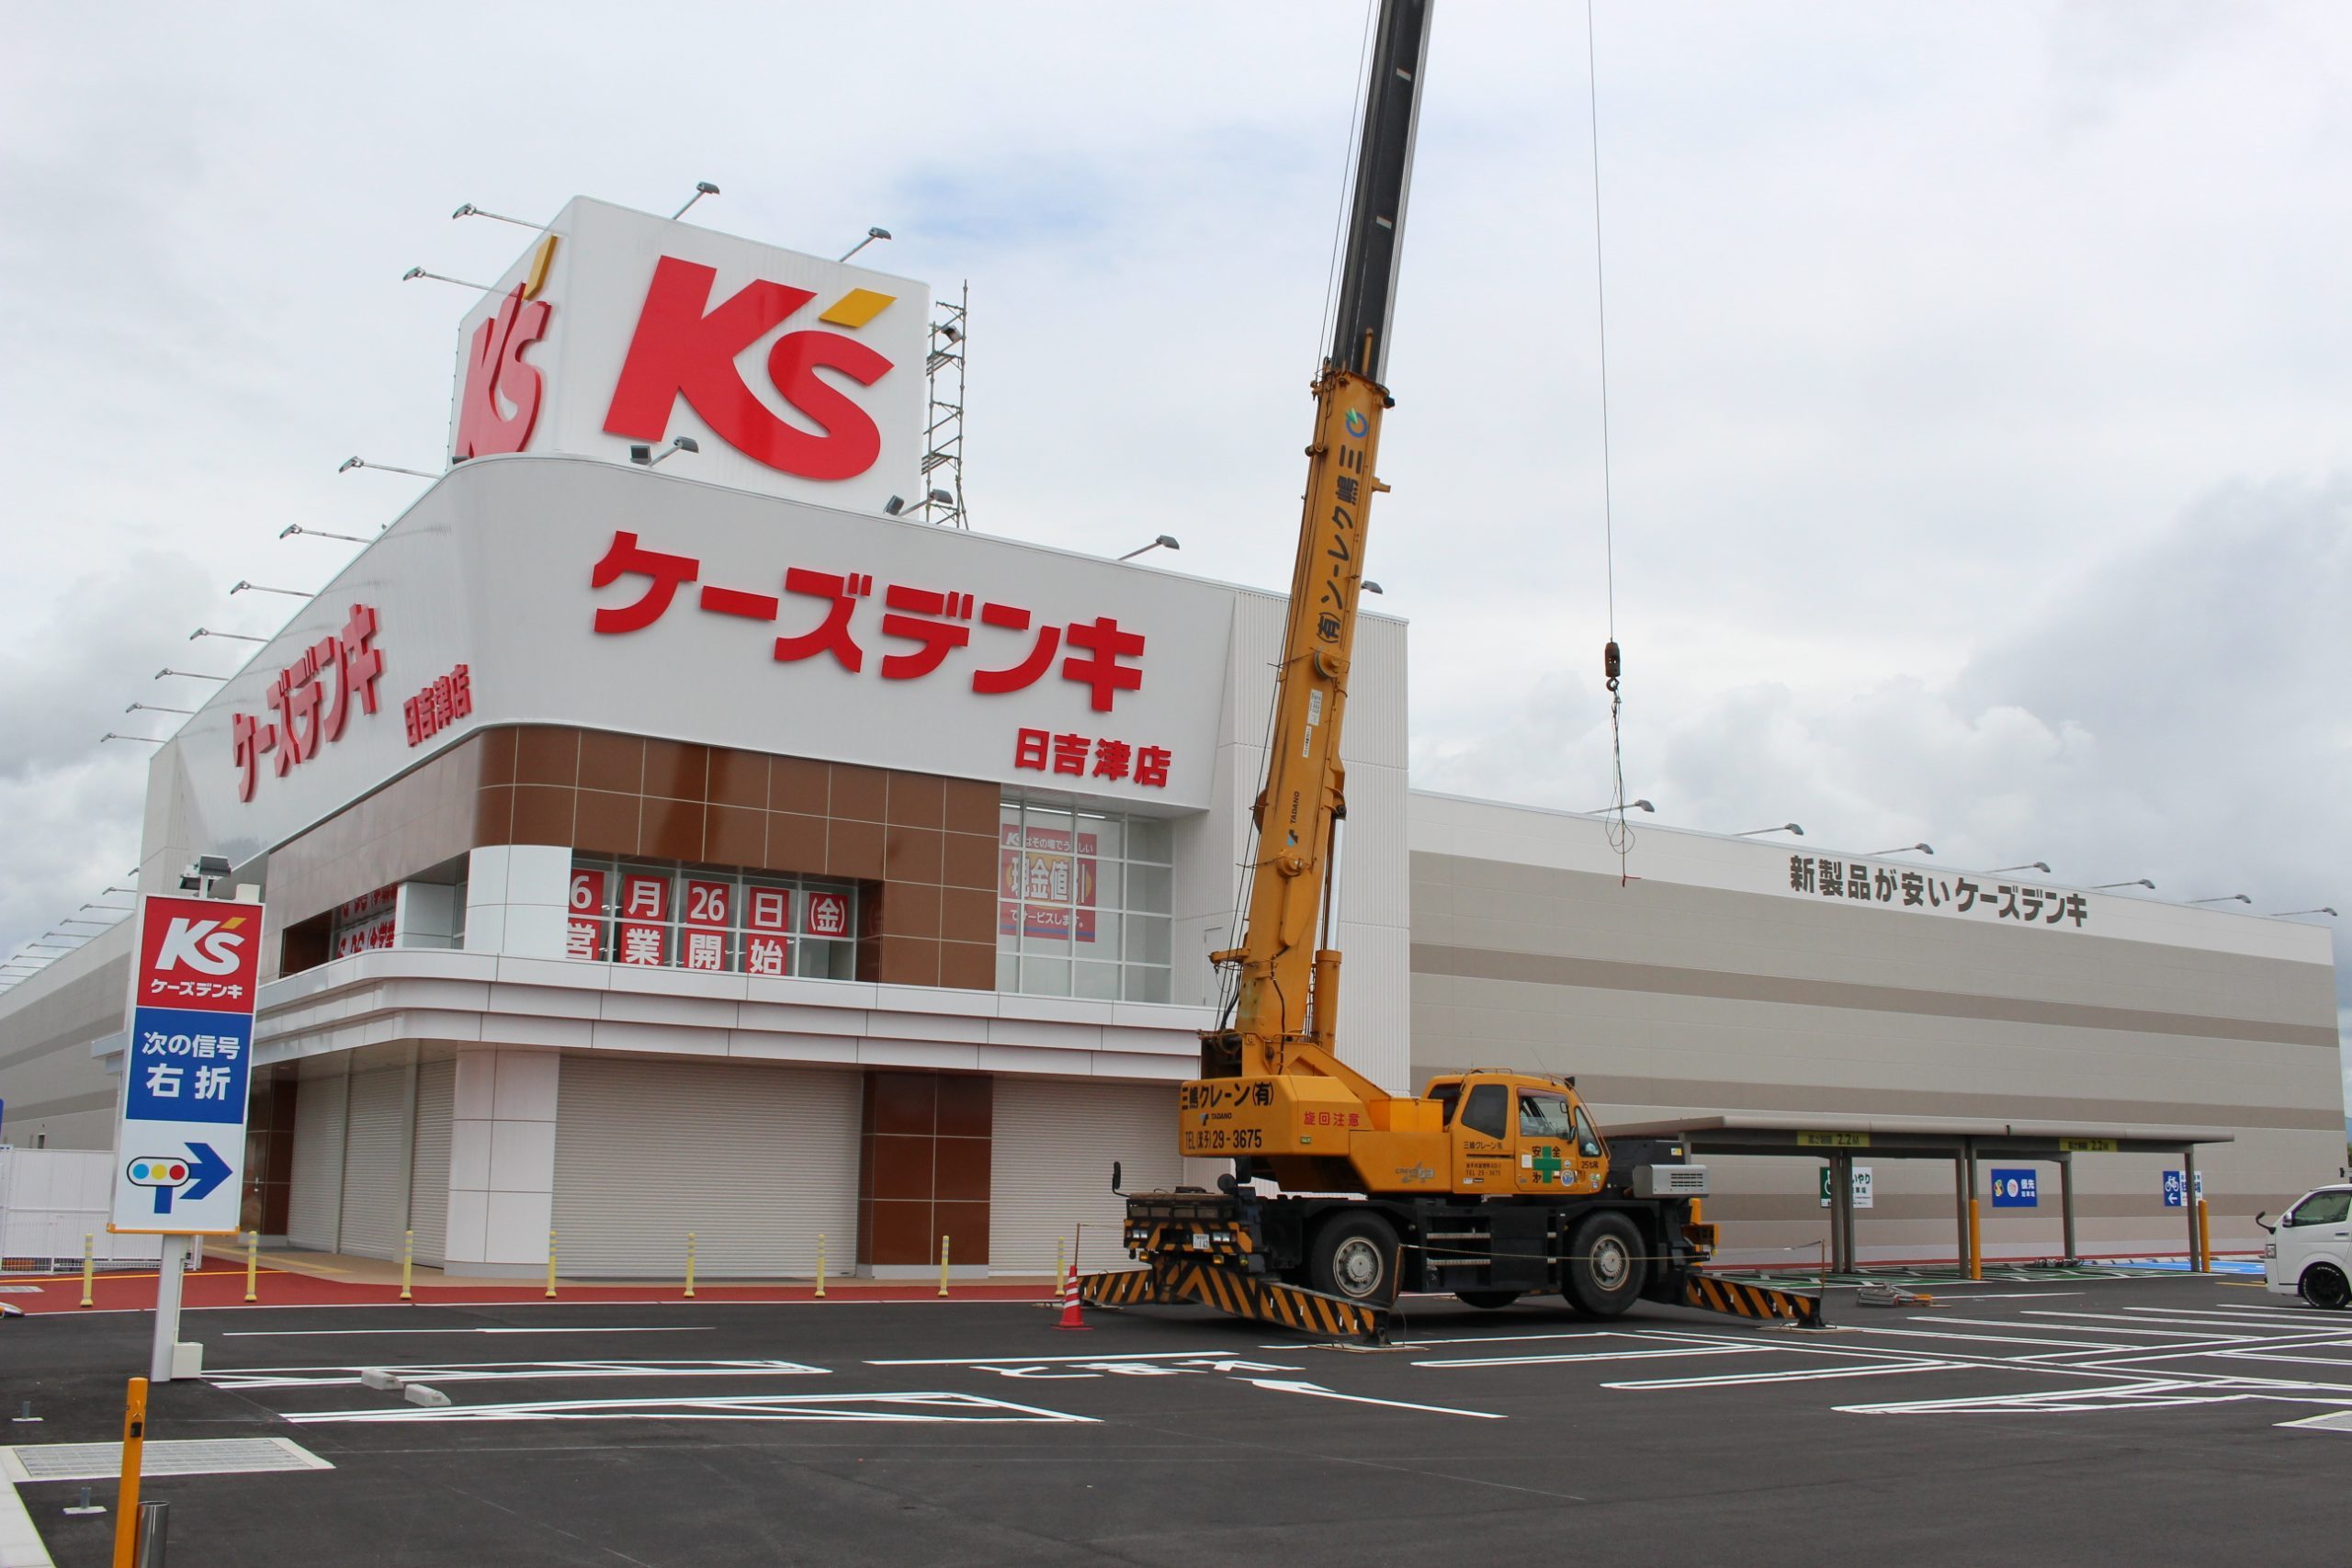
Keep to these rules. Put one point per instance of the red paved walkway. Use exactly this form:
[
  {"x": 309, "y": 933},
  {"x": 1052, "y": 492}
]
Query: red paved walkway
[{"x": 277, "y": 1287}]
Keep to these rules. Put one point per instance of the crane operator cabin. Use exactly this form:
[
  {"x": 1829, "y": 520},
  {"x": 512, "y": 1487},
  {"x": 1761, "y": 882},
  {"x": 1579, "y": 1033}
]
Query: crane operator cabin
[{"x": 663, "y": 826}]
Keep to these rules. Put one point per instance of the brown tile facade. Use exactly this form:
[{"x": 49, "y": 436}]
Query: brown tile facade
[
  {"x": 924, "y": 847},
  {"x": 923, "y": 1156}
]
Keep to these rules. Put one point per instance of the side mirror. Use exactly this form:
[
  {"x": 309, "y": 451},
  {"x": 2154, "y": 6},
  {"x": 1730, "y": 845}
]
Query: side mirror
[
  {"x": 1114, "y": 1179},
  {"x": 2265, "y": 1223}
]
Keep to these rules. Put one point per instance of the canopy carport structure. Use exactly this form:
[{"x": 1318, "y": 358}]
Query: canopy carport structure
[{"x": 1836, "y": 1140}]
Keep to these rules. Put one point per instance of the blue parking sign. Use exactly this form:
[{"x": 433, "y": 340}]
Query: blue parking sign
[{"x": 2015, "y": 1190}]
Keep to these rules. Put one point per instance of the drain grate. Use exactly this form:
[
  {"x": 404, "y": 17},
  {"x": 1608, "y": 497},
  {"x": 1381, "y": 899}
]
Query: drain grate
[{"x": 205, "y": 1456}]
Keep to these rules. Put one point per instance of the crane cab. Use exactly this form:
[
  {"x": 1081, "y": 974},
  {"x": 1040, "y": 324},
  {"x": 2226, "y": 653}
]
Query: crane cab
[{"x": 1515, "y": 1134}]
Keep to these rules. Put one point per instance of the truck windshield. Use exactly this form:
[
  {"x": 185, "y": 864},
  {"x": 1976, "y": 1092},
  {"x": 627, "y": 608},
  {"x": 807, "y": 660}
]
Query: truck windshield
[
  {"x": 1544, "y": 1116},
  {"x": 2321, "y": 1208}
]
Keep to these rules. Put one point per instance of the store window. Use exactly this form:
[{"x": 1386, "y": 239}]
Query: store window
[
  {"x": 364, "y": 924},
  {"x": 1083, "y": 900},
  {"x": 716, "y": 922}
]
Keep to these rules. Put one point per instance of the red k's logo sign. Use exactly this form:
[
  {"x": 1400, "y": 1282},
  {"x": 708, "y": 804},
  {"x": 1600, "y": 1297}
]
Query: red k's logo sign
[
  {"x": 684, "y": 346},
  {"x": 496, "y": 376}
]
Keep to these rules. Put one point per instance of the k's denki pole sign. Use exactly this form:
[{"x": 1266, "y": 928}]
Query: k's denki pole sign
[{"x": 180, "y": 1146}]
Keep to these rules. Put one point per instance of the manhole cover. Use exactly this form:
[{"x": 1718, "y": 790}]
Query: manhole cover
[{"x": 207, "y": 1456}]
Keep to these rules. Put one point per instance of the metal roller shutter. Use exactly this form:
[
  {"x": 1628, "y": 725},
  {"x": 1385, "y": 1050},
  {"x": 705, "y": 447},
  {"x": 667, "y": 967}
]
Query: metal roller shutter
[
  {"x": 1050, "y": 1167},
  {"x": 756, "y": 1161},
  {"x": 314, "y": 1207},
  {"x": 375, "y": 1164},
  {"x": 428, "y": 1185}
]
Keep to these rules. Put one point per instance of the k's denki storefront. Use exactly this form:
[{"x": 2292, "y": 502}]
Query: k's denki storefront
[{"x": 698, "y": 848}]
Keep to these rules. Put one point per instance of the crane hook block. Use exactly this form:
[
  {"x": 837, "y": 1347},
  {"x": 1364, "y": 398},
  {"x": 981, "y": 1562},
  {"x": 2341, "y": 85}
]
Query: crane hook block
[{"x": 1612, "y": 665}]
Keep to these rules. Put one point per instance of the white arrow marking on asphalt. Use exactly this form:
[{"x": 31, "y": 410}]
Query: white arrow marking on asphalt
[{"x": 1282, "y": 1385}]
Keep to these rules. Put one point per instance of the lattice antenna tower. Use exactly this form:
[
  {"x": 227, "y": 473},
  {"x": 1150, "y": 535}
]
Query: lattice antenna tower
[{"x": 942, "y": 457}]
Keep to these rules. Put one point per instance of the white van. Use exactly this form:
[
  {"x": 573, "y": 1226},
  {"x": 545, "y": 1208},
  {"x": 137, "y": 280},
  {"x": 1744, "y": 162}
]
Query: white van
[{"x": 2309, "y": 1252}]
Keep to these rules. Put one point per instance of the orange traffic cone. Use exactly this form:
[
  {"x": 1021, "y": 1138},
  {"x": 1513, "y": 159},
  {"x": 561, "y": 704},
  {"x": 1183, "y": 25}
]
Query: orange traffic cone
[{"x": 1071, "y": 1317}]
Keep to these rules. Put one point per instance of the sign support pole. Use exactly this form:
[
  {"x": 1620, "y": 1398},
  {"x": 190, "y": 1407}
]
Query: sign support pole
[
  {"x": 2066, "y": 1200},
  {"x": 167, "y": 1308}
]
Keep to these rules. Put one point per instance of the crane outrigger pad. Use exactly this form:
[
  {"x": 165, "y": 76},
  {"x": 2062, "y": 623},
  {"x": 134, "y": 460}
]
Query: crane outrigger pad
[
  {"x": 1713, "y": 1292},
  {"x": 1238, "y": 1294}
]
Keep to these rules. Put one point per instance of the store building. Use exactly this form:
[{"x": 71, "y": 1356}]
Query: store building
[{"x": 699, "y": 847}]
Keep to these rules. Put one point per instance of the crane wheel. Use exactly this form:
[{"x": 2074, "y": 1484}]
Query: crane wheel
[
  {"x": 1354, "y": 1258},
  {"x": 1490, "y": 1300},
  {"x": 1606, "y": 1269}
]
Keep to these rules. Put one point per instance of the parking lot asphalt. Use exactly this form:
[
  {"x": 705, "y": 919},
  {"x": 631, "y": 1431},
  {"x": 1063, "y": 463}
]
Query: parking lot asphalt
[{"x": 2092, "y": 1420}]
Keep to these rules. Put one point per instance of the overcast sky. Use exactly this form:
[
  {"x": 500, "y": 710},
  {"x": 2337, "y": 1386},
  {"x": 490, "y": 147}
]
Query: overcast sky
[{"x": 1980, "y": 376}]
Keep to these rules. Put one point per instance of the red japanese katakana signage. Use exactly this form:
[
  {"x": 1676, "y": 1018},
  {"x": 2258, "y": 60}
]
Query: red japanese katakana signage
[
  {"x": 311, "y": 699},
  {"x": 915, "y": 634}
]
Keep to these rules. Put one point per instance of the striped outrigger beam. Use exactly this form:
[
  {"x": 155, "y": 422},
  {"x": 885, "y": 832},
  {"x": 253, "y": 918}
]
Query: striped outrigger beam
[
  {"x": 1739, "y": 1299},
  {"x": 1238, "y": 1294}
]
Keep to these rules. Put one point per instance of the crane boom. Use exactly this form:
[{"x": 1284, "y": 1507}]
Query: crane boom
[{"x": 1286, "y": 1006}]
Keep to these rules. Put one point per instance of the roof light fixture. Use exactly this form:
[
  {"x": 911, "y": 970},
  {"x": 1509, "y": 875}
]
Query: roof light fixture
[{"x": 1165, "y": 542}]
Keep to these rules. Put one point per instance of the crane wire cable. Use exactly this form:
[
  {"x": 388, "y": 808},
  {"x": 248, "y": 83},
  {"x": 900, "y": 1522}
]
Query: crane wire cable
[{"x": 1620, "y": 830}]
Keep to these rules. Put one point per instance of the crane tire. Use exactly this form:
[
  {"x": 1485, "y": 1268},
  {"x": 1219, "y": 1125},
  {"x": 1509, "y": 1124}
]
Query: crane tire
[
  {"x": 2325, "y": 1286},
  {"x": 1606, "y": 1267},
  {"x": 1489, "y": 1300},
  {"x": 1354, "y": 1258}
]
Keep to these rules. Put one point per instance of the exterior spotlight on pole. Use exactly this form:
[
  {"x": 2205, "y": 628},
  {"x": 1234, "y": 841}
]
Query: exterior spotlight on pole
[
  {"x": 191, "y": 675},
  {"x": 1783, "y": 827},
  {"x": 2041, "y": 865},
  {"x": 2135, "y": 882},
  {"x": 2220, "y": 898},
  {"x": 293, "y": 528},
  {"x": 1165, "y": 542},
  {"x": 413, "y": 274},
  {"x": 124, "y": 909},
  {"x": 206, "y": 631},
  {"x": 645, "y": 457},
  {"x": 2324, "y": 909},
  {"x": 470, "y": 210},
  {"x": 243, "y": 586},
  {"x": 872, "y": 235},
  {"x": 110, "y": 888},
  {"x": 1923, "y": 849},
  {"x": 1372, "y": 587},
  {"x": 1630, "y": 805},
  {"x": 151, "y": 740},
  {"x": 350, "y": 463},
  {"x": 702, "y": 188},
  {"x": 152, "y": 707}
]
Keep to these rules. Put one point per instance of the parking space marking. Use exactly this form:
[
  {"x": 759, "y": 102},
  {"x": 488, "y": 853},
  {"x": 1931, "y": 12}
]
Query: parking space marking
[
  {"x": 1986, "y": 1339},
  {"x": 500, "y": 1371},
  {"x": 1600, "y": 1355},
  {"x": 323, "y": 1332},
  {"x": 932, "y": 1407},
  {"x": 1318, "y": 1392},
  {"x": 1801, "y": 1374}
]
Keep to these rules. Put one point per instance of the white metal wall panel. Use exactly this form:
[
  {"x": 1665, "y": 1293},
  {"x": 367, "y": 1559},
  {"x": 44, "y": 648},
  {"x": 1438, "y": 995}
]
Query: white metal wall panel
[
  {"x": 428, "y": 1185},
  {"x": 756, "y": 1161},
  {"x": 1050, "y": 1155},
  {"x": 375, "y": 1164},
  {"x": 314, "y": 1207}
]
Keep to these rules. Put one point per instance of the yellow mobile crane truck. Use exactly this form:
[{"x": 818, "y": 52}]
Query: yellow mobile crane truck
[{"x": 1491, "y": 1184}]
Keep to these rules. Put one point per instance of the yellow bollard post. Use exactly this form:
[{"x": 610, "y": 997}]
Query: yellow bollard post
[
  {"x": 1975, "y": 1241},
  {"x": 408, "y": 1262},
  {"x": 1061, "y": 1267},
  {"x": 690, "y": 1266},
  {"x": 87, "y": 1266},
  {"x": 125, "y": 1497},
  {"x": 942, "y": 1266},
  {"x": 551, "y": 1265},
  {"x": 821, "y": 1266},
  {"x": 252, "y": 1264},
  {"x": 2204, "y": 1238}
]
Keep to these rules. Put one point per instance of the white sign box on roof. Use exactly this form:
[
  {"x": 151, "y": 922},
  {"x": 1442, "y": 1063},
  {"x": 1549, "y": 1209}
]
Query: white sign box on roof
[
  {"x": 794, "y": 375},
  {"x": 559, "y": 591}
]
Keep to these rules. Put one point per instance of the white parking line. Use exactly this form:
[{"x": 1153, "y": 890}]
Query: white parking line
[
  {"x": 1600, "y": 1355},
  {"x": 1990, "y": 1338},
  {"x": 1823, "y": 1374},
  {"x": 320, "y": 1333}
]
